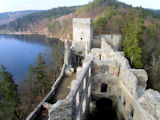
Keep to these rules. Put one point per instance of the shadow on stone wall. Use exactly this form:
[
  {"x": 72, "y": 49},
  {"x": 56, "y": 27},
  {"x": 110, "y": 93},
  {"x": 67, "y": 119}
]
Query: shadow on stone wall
[{"x": 103, "y": 110}]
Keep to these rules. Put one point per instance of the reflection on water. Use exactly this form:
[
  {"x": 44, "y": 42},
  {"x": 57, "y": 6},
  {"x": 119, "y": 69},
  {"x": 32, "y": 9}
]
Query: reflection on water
[{"x": 17, "y": 52}]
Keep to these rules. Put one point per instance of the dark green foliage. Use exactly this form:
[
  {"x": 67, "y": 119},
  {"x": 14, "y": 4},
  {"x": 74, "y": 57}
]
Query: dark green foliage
[
  {"x": 36, "y": 87},
  {"x": 38, "y": 76},
  {"x": 133, "y": 38},
  {"x": 97, "y": 3},
  {"x": 9, "y": 93},
  {"x": 100, "y": 23},
  {"x": 31, "y": 72}
]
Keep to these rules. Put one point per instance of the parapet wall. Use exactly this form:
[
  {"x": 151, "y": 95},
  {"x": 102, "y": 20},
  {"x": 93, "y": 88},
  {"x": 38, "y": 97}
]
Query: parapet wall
[
  {"x": 76, "y": 104},
  {"x": 45, "y": 100},
  {"x": 125, "y": 86}
]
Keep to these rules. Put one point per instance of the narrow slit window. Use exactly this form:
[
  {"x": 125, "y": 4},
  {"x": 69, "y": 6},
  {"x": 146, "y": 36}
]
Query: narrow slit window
[
  {"x": 132, "y": 112},
  {"x": 104, "y": 87},
  {"x": 124, "y": 102}
]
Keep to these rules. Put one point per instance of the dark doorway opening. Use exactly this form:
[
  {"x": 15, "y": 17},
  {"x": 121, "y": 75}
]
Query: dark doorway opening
[{"x": 104, "y": 111}]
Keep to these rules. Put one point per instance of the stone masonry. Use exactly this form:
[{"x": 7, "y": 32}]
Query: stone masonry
[
  {"x": 82, "y": 35},
  {"x": 126, "y": 86},
  {"x": 105, "y": 73}
]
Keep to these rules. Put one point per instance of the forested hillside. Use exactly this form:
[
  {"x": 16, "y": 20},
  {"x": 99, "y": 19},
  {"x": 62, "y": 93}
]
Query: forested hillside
[
  {"x": 11, "y": 16},
  {"x": 36, "y": 22}
]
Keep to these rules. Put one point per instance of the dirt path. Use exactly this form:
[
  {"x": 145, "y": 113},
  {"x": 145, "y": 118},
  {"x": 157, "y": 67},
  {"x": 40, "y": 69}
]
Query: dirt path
[
  {"x": 61, "y": 93},
  {"x": 64, "y": 88}
]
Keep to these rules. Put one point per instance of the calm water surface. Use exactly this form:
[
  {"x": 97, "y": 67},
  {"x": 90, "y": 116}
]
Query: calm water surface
[{"x": 17, "y": 52}]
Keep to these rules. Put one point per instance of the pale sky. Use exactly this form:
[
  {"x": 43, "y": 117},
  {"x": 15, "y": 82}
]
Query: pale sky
[
  {"x": 17, "y": 5},
  {"x": 153, "y": 4}
]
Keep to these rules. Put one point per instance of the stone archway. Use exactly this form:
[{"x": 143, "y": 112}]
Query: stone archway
[{"x": 104, "y": 110}]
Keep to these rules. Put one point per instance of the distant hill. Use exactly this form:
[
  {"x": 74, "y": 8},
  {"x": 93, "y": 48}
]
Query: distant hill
[
  {"x": 7, "y": 17},
  {"x": 156, "y": 12},
  {"x": 34, "y": 20}
]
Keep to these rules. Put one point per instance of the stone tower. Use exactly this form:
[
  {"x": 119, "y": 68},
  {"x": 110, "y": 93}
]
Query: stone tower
[{"x": 82, "y": 35}]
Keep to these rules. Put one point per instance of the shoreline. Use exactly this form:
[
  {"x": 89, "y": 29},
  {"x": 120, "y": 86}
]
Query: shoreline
[
  {"x": 20, "y": 81},
  {"x": 31, "y": 33}
]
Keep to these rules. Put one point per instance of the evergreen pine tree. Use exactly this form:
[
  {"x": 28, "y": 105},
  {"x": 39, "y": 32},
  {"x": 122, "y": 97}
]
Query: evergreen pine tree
[
  {"x": 40, "y": 74},
  {"x": 31, "y": 72},
  {"x": 9, "y": 93},
  {"x": 140, "y": 28},
  {"x": 133, "y": 38}
]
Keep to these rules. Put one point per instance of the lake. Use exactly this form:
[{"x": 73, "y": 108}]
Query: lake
[{"x": 17, "y": 52}]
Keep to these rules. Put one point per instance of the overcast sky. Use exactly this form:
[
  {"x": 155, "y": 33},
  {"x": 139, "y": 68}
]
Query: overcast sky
[{"x": 17, "y": 5}]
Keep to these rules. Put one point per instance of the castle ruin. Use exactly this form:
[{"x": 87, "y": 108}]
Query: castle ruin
[{"x": 104, "y": 73}]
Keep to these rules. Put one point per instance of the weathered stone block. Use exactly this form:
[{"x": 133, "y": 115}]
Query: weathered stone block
[
  {"x": 142, "y": 78},
  {"x": 96, "y": 69},
  {"x": 61, "y": 113},
  {"x": 96, "y": 53},
  {"x": 141, "y": 75},
  {"x": 150, "y": 103},
  {"x": 113, "y": 40},
  {"x": 129, "y": 80}
]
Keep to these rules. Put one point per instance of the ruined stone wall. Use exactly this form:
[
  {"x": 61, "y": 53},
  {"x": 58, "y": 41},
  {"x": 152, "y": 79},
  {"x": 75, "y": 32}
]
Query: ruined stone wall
[
  {"x": 126, "y": 87},
  {"x": 76, "y": 104},
  {"x": 113, "y": 40},
  {"x": 106, "y": 73},
  {"x": 45, "y": 100}
]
